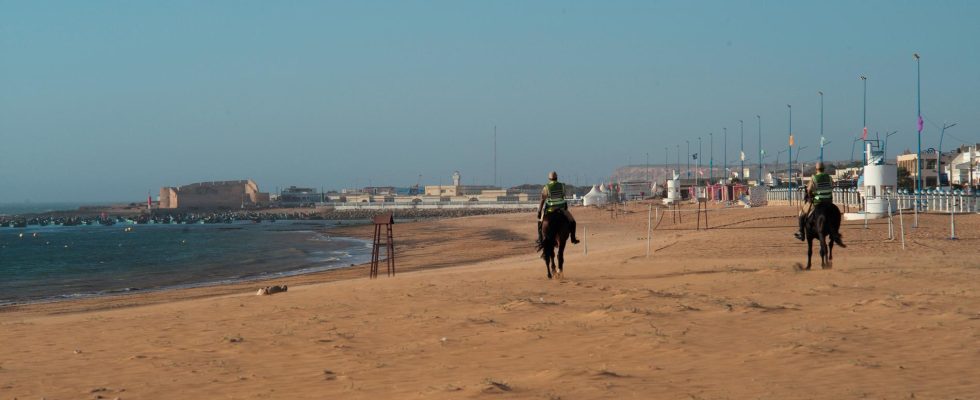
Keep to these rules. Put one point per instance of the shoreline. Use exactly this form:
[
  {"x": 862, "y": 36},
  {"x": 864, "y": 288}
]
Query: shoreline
[{"x": 352, "y": 229}]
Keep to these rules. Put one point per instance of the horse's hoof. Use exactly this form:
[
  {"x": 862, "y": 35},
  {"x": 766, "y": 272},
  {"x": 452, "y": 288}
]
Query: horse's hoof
[{"x": 549, "y": 276}]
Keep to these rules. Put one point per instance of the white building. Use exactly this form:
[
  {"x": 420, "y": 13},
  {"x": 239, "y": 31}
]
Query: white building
[{"x": 964, "y": 169}]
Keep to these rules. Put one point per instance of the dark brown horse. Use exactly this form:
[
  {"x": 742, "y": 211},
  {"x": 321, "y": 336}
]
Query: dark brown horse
[
  {"x": 823, "y": 222},
  {"x": 555, "y": 230}
]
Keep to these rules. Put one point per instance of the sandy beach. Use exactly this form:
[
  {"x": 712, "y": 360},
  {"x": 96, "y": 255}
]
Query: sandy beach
[{"x": 722, "y": 313}]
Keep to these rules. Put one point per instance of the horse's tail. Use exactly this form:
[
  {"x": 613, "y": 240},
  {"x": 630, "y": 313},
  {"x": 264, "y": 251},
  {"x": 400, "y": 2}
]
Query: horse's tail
[
  {"x": 835, "y": 231},
  {"x": 836, "y": 238},
  {"x": 546, "y": 237}
]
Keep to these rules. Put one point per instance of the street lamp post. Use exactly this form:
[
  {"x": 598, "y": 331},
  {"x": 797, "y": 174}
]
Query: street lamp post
[
  {"x": 789, "y": 164},
  {"x": 697, "y": 177},
  {"x": 779, "y": 153},
  {"x": 884, "y": 149},
  {"x": 646, "y": 167},
  {"x": 939, "y": 152},
  {"x": 711, "y": 158},
  {"x": 852, "y": 148},
  {"x": 918, "y": 157},
  {"x": 741, "y": 150},
  {"x": 821, "y": 126},
  {"x": 759, "y": 118},
  {"x": 799, "y": 150},
  {"x": 864, "y": 116},
  {"x": 724, "y": 170},
  {"x": 688, "y": 167}
]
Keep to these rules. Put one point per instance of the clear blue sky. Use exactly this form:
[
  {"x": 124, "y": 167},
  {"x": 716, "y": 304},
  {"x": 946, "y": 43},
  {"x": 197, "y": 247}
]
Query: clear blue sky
[{"x": 106, "y": 100}]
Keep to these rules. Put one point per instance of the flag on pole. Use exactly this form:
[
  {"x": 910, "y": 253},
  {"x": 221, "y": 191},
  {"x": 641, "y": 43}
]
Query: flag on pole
[
  {"x": 864, "y": 134},
  {"x": 823, "y": 141},
  {"x": 790, "y": 139},
  {"x": 742, "y": 155},
  {"x": 919, "y": 124}
]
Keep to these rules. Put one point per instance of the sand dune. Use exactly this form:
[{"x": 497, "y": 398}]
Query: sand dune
[{"x": 715, "y": 314}]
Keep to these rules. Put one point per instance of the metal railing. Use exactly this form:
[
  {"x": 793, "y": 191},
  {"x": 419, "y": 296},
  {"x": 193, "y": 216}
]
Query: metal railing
[{"x": 928, "y": 202}]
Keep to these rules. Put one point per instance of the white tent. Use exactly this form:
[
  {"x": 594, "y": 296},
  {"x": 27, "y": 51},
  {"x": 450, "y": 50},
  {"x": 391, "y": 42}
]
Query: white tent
[{"x": 595, "y": 197}]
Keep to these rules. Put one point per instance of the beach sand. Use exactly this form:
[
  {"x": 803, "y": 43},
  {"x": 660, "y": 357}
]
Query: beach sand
[{"x": 717, "y": 314}]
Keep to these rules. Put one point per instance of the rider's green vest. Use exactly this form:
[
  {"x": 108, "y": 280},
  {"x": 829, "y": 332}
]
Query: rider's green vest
[
  {"x": 556, "y": 195},
  {"x": 823, "y": 190}
]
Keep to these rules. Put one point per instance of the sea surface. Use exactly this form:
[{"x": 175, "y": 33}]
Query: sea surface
[
  {"x": 36, "y": 208},
  {"x": 41, "y": 263}
]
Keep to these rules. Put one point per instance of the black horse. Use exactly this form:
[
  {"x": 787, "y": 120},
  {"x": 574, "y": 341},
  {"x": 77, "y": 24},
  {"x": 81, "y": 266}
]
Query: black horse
[
  {"x": 823, "y": 222},
  {"x": 555, "y": 230}
]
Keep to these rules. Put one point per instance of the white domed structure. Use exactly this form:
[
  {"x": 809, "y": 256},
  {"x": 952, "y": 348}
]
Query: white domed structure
[{"x": 595, "y": 197}]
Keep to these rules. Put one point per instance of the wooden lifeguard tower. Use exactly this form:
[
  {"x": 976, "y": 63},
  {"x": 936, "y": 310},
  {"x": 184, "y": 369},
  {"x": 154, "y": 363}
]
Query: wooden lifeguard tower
[
  {"x": 383, "y": 222},
  {"x": 702, "y": 208}
]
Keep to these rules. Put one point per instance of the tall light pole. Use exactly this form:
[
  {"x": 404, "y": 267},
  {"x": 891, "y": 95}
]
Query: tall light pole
[
  {"x": 759, "y": 118},
  {"x": 939, "y": 152},
  {"x": 711, "y": 158},
  {"x": 798, "y": 151},
  {"x": 918, "y": 112},
  {"x": 884, "y": 149},
  {"x": 821, "y": 126},
  {"x": 778, "y": 154},
  {"x": 688, "y": 158},
  {"x": 852, "y": 148},
  {"x": 789, "y": 164},
  {"x": 724, "y": 170},
  {"x": 741, "y": 150},
  {"x": 697, "y": 177},
  {"x": 864, "y": 119},
  {"x": 494, "y": 156},
  {"x": 678, "y": 160}
]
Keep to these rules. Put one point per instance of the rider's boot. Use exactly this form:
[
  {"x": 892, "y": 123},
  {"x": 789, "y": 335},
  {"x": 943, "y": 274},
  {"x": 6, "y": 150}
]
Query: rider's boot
[
  {"x": 540, "y": 239},
  {"x": 572, "y": 228},
  {"x": 800, "y": 234}
]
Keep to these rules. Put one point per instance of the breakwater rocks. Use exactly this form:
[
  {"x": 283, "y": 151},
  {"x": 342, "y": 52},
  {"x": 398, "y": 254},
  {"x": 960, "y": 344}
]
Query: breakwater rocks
[
  {"x": 416, "y": 213},
  {"x": 160, "y": 217}
]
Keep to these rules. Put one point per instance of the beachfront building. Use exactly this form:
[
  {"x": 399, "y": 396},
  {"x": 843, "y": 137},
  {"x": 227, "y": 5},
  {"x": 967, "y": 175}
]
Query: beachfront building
[
  {"x": 964, "y": 168},
  {"x": 459, "y": 192},
  {"x": 929, "y": 170},
  {"x": 299, "y": 196},
  {"x": 213, "y": 195}
]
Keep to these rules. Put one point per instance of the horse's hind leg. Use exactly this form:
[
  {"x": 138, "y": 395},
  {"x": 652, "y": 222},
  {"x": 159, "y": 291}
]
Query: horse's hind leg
[
  {"x": 823, "y": 251},
  {"x": 809, "y": 252},
  {"x": 830, "y": 253},
  {"x": 561, "y": 259}
]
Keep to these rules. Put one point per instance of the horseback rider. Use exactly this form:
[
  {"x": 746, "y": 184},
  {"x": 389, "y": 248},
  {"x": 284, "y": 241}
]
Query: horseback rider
[
  {"x": 553, "y": 196},
  {"x": 820, "y": 190}
]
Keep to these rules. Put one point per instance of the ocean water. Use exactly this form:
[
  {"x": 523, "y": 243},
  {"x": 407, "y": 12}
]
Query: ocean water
[
  {"x": 55, "y": 262},
  {"x": 34, "y": 208}
]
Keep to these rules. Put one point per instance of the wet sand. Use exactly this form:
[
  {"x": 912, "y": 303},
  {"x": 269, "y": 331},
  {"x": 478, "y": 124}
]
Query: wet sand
[{"x": 722, "y": 313}]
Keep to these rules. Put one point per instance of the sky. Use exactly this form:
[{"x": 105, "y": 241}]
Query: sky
[{"x": 109, "y": 100}]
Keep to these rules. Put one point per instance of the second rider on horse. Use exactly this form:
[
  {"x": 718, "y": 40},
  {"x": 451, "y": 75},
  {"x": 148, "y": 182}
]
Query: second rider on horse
[
  {"x": 553, "y": 196},
  {"x": 820, "y": 190}
]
